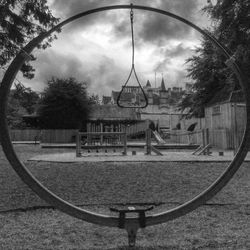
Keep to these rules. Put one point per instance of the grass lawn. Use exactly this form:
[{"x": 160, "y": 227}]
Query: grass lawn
[{"x": 223, "y": 223}]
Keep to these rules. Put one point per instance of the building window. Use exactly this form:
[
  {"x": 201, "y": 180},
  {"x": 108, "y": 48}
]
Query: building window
[{"x": 216, "y": 110}]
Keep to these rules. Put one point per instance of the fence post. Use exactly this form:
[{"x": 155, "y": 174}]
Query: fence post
[
  {"x": 78, "y": 144},
  {"x": 235, "y": 129},
  {"x": 125, "y": 142},
  {"x": 148, "y": 141},
  {"x": 206, "y": 136},
  {"x": 203, "y": 138},
  {"x": 207, "y": 139}
]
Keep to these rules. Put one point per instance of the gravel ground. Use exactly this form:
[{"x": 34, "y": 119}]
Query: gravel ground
[{"x": 221, "y": 224}]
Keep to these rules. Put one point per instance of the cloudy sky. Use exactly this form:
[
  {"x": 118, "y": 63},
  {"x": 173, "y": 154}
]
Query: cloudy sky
[{"x": 97, "y": 49}]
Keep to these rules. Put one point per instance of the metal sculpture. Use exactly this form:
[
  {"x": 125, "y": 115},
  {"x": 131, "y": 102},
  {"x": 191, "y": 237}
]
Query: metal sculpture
[{"x": 130, "y": 224}]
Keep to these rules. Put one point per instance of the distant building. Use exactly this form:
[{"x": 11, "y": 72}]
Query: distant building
[
  {"x": 106, "y": 100},
  {"x": 161, "y": 102},
  {"x": 111, "y": 118}
]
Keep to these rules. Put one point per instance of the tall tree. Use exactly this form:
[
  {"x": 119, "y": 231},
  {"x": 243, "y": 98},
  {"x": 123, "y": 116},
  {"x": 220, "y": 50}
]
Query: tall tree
[
  {"x": 233, "y": 27},
  {"x": 15, "y": 112},
  {"x": 22, "y": 101},
  {"x": 208, "y": 69},
  {"x": 21, "y": 21},
  {"x": 210, "y": 75},
  {"x": 27, "y": 98},
  {"x": 64, "y": 104}
]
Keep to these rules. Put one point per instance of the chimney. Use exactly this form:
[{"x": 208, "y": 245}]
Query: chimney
[
  {"x": 150, "y": 97},
  {"x": 163, "y": 97}
]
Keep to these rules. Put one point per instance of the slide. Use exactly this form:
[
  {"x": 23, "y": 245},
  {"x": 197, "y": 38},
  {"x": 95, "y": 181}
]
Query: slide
[{"x": 158, "y": 138}]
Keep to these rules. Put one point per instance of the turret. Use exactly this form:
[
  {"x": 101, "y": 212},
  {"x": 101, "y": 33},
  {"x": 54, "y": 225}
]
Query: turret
[
  {"x": 163, "y": 88},
  {"x": 148, "y": 85},
  {"x": 163, "y": 93}
]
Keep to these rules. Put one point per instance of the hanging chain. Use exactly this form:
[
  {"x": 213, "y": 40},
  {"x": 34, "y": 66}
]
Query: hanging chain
[{"x": 132, "y": 35}]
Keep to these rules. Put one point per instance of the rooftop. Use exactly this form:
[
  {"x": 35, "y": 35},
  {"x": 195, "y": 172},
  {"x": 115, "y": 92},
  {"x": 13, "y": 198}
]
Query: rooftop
[
  {"x": 112, "y": 112},
  {"x": 227, "y": 95}
]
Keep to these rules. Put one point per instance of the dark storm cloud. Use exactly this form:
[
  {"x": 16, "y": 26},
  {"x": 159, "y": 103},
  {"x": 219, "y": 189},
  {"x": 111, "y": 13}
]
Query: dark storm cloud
[
  {"x": 100, "y": 78},
  {"x": 171, "y": 53},
  {"x": 66, "y": 9},
  {"x": 180, "y": 76},
  {"x": 179, "y": 50},
  {"x": 149, "y": 27},
  {"x": 152, "y": 27},
  {"x": 72, "y": 7},
  {"x": 107, "y": 75},
  {"x": 157, "y": 28},
  {"x": 53, "y": 64}
]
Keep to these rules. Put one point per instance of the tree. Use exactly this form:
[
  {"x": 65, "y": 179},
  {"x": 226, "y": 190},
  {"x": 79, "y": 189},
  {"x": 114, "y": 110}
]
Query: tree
[
  {"x": 208, "y": 69},
  {"x": 15, "y": 113},
  {"x": 233, "y": 28},
  {"x": 22, "y": 101},
  {"x": 94, "y": 99},
  {"x": 210, "y": 75},
  {"x": 26, "y": 97},
  {"x": 64, "y": 104},
  {"x": 21, "y": 21}
]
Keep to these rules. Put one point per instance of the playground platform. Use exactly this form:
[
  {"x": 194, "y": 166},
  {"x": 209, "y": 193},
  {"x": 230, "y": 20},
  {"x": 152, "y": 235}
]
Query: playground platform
[
  {"x": 129, "y": 145},
  {"x": 139, "y": 157},
  {"x": 25, "y": 142}
]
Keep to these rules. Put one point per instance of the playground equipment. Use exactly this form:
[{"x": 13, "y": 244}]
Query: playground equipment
[
  {"x": 186, "y": 137},
  {"x": 138, "y": 103},
  {"x": 100, "y": 140},
  {"x": 205, "y": 147},
  {"x": 158, "y": 138},
  {"x": 131, "y": 224},
  {"x": 149, "y": 146},
  {"x": 96, "y": 141}
]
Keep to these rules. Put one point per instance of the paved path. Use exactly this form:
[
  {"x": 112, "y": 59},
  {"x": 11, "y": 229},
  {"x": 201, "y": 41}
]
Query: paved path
[{"x": 140, "y": 157}]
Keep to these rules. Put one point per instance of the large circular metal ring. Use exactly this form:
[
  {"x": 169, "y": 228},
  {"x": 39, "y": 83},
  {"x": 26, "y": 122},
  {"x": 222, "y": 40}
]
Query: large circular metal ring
[{"x": 100, "y": 219}]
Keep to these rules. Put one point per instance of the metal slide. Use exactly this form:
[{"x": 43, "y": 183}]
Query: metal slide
[{"x": 158, "y": 138}]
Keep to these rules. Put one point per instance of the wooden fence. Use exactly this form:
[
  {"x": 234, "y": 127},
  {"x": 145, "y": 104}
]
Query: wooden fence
[
  {"x": 44, "y": 136},
  {"x": 225, "y": 138},
  {"x": 217, "y": 138},
  {"x": 59, "y": 136},
  {"x": 138, "y": 128},
  {"x": 185, "y": 137},
  {"x": 25, "y": 135}
]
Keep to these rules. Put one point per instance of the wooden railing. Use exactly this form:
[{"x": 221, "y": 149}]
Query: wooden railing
[
  {"x": 186, "y": 137},
  {"x": 100, "y": 140},
  {"x": 137, "y": 128}
]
